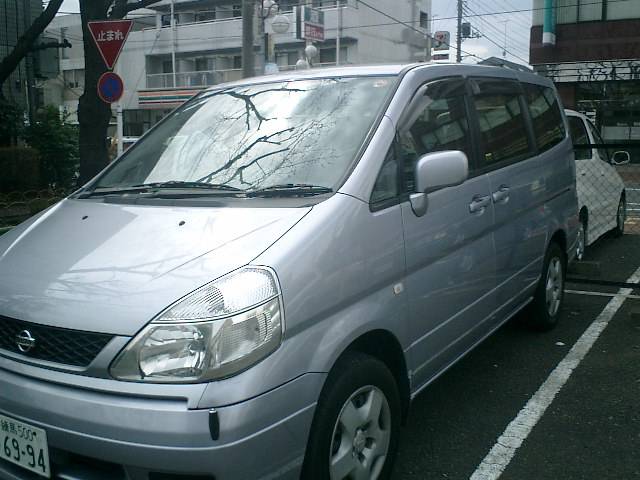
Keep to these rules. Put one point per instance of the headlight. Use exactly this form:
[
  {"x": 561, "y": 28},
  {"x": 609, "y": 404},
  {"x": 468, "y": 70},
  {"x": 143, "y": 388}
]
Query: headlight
[{"x": 214, "y": 332}]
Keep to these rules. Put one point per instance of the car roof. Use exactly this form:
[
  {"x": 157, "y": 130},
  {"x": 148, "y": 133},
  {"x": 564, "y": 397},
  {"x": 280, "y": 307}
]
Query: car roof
[{"x": 386, "y": 70}]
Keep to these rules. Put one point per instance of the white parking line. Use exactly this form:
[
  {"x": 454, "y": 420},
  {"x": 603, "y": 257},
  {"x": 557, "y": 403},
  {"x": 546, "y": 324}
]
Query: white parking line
[
  {"x": 601, "y": 294},
  {"x": 519, "y": 429}
]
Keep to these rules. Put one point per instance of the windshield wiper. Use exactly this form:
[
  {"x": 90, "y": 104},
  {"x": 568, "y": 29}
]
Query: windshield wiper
[
  {"x": 187, "y": 185},
  {"x": 156, "y": 186},
  {"x": 290, "y": 189}
]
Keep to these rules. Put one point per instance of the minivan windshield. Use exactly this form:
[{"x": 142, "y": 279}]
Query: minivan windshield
[{"x": 271, "y": 137}]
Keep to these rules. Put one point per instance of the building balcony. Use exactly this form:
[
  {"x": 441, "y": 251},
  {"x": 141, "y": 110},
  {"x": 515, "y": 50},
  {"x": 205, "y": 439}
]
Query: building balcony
[
  {"x": 191, "y": 79},
  {"x": 224, "y": 34}
]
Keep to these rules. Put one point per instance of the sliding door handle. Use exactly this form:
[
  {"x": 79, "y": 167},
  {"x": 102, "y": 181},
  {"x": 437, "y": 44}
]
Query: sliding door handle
[
  {"x": 501, "y": 195},
  {"x": 479, "y": 204}
]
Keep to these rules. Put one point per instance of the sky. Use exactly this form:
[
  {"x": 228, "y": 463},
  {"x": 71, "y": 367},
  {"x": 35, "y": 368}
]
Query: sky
[{"x": 490, "y": 27}]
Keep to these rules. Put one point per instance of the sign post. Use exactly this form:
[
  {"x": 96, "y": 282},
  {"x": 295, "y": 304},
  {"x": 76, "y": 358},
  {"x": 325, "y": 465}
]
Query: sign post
[
  {"x": 109, "y": 36},
  {"x": 441, "y": 41}
]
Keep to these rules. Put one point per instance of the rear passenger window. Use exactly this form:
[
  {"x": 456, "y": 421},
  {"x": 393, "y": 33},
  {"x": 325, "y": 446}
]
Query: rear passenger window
[
  {"x": 503, "y": 132},
  {"x": 436, "y": 122},
  {"x": 545, "y": 116},
  {"x": 579, "y": 137}
]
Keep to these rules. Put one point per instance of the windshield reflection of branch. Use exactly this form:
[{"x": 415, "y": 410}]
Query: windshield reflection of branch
[
  {"x": 251, "y": 107},
  {"x": 243, "y": 152},
  {"x": 307, "y": 133}
]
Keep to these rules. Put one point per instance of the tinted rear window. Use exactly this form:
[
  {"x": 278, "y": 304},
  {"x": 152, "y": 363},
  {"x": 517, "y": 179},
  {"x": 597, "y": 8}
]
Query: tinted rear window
[
  {"x": 545, "y": 115},
  {"x": 502, "y": 127}
]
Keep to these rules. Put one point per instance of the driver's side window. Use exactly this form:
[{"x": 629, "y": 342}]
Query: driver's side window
[{"x": 436, "y": 122}]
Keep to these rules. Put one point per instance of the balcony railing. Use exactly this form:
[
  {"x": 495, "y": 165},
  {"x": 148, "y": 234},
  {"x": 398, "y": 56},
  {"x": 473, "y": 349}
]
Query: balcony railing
[{"x": 192, "y": 79}]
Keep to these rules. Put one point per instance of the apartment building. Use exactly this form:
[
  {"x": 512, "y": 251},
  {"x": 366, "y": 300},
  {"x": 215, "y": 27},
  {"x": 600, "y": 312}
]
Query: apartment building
[
  {"x": 17, "y": 17},
  {"x": 167, "y": 59},
  {"x": 591, "y": 50}
]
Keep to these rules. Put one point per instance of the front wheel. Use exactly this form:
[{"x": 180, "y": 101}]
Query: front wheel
[
  {"x": 544, "y": 310},
  {"x": 356, "y": 425},
  {"x": 621, "y": 217}
]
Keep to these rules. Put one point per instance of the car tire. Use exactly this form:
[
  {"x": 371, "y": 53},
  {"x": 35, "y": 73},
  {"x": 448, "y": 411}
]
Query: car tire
[
  {"x": 348, "y": 436},
  {"x": 621, "y": 217},
  {"x": 544, "y": 309}
]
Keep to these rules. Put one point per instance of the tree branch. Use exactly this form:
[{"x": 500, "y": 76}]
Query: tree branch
[{"x": 11, "y": 61}]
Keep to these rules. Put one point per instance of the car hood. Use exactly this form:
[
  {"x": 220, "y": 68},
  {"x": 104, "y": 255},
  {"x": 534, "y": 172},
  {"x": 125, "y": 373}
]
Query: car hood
[{"x": 111, "y": 268}]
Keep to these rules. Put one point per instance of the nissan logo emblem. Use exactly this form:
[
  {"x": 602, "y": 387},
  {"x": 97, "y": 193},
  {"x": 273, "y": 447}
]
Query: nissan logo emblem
[{"x": 25, "y": 341}]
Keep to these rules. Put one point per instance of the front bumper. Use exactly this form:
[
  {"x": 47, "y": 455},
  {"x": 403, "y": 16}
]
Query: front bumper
[{"x": 142, "y": 438}]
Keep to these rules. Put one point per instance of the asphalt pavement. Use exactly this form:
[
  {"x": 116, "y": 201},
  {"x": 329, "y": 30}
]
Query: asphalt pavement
[{"x": 591, "y": 428}]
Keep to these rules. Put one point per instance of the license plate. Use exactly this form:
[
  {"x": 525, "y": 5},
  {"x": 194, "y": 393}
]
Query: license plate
[{"x": 24, "y": 445}]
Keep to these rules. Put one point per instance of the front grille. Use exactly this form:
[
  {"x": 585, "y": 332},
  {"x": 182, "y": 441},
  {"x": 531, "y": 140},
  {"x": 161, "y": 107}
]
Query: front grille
[{"x": 53, "y": 344}]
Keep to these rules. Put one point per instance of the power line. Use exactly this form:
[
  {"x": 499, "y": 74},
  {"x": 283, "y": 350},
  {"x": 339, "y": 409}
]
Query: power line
[
  {"x": 512, "y": 18},
  {"x": 501, "y": 46},
  {"x": 421, "y": 32},
  {"x": 522, "y": 47},
  {"x": 488, "y": 14}
]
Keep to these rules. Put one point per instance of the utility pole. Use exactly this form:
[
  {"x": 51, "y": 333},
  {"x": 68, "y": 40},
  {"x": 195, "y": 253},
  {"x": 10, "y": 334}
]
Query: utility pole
[
  {"x": 29, "y": 64},
  {"x": 174, "y": 27},
  {"x": 504, "y": 50},
  {"x": 248, "y": 55},
  {"x": 459, "y": 34}
]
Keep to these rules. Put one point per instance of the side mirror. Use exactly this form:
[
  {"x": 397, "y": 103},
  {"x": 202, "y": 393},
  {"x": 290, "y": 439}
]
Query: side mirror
[
  {"x": 435, "y": 171},
  {"x": 621, "y": 158}
]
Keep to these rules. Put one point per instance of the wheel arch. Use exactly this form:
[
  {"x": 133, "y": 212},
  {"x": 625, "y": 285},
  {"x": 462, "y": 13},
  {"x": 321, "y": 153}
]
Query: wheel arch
[
  {"x": 559, "y": 237},
  {"x": 384, "y": 346}
]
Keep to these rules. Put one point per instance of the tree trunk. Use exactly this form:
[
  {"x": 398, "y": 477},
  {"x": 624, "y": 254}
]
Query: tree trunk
[{"x": 93, "y": 114}]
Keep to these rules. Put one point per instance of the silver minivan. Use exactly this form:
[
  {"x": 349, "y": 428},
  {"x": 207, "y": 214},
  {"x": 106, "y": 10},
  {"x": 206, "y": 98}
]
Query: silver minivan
[{"x": 260, "y": 286}]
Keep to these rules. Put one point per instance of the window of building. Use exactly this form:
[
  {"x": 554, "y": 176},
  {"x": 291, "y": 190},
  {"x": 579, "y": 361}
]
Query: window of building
[
  {"x": 286, "y": 6},
  {"x": 73, "y": 78},
  {"x": 203, "y": 64},
  {"x": 437, "y": 121},
  {"x": 328, "y": 55},
  {"x": 579, "y": 137},
  {"x": 327, "y": 3},
  {"x": 167, "y": 66},
  {"x": 424, "y": 20},
  {"x": 237, "y": 62},
  {"x": 236, "y": 11},
  {"x": 620, "y": 10},
  {"x": 545, "y": 115},
  {"x": 137, "y": 122},
  {"x": 206, "y": 15},
  {"x": 503, "y": 132}
]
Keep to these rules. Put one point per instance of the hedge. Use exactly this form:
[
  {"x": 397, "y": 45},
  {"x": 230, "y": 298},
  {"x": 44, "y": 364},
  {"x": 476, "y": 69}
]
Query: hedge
[{"x": 19, "y": 169}]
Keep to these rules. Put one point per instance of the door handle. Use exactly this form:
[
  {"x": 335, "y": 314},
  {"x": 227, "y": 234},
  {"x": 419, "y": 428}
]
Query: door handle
[
  {"x": 501, "y": 195},
  {"x": 479, "y": 204}
]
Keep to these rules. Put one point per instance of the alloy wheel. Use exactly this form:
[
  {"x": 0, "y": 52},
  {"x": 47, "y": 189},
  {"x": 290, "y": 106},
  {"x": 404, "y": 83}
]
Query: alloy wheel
[
  {"x": 554, "y": 285},
  {"x": 361, "y": 436}
]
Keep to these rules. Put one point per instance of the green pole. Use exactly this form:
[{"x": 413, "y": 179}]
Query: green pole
[{"x": 549, "y": 26}]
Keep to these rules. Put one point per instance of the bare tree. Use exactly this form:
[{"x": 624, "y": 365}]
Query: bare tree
[
  {"x": 26, "y": 41},
  {"x": 94, "y": 114}
]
